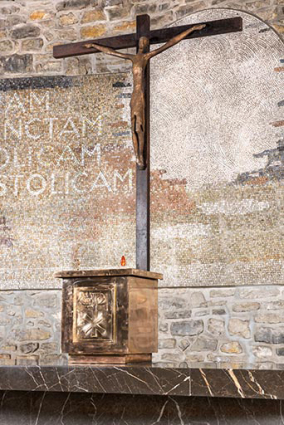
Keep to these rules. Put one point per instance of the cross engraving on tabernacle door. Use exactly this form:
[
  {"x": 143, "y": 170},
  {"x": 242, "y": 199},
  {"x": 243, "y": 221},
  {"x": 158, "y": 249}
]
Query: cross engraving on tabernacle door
[{"x": 93, "y": 315}]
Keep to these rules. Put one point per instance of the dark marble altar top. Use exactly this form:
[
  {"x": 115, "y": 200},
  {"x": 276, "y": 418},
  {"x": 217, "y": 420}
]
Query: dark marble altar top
[
  {"x": 210, "y": 380},
  {"x": 109, "y": 272}
]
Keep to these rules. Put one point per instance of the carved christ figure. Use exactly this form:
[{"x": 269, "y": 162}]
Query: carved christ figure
[{"x": 137, "y": 104}]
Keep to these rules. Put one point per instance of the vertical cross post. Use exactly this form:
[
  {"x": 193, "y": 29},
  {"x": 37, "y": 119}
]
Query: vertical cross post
[
  {"x": 143, "y": 176},
  {"x": 222, "y": 26}
]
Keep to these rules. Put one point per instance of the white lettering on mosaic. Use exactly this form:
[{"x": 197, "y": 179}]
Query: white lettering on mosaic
[
  {"x": 70, "y": 129},
  {"x": 93, "y": 125},
  {"x": 37, "y": 180},
  {"x": 33, "y": 136},
  {"x": 54, "y": 155},
  {"x": 15, "y": 104},
  {"x": 117, "y": 176},
  {"x": 76, "y": 180},
  {"x": 3, "y": 188},
  {"x": 101, "y": 182},
  {"x": 16, "y": 184},
  {"x": 54, "y": 185},
  {"x": 37, "y": 127},
  {"x": 91, "y": 151},
  {"x": 17, "y": 163},
  {"x": 4, "y": 158},
  {"x": 11, "y": 131},
  {"x": 67, "y": 155},
  {"x": 66, "y": 183},
  {"x": 51, "y": 126},
  {"x": 37, "y": 101}
]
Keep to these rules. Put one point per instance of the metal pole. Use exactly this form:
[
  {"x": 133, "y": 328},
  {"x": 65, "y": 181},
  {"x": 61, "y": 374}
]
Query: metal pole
[{"x": 143, "y": 176}]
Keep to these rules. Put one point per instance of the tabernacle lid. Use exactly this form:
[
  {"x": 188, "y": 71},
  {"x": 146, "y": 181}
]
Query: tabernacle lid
[{"x": 109, "y": 272}]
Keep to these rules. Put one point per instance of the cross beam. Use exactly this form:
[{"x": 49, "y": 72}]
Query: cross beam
[{"x": 222, "y": 26}]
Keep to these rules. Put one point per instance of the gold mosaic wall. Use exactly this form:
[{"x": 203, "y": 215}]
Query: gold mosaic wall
[
  {"x": 67, "y": 185},
  {"x": 67, "y": 173},
  {"x": 218, "y": 143}
]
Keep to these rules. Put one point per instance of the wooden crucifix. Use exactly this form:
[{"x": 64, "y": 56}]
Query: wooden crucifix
[{"x": 140, "y": 102}]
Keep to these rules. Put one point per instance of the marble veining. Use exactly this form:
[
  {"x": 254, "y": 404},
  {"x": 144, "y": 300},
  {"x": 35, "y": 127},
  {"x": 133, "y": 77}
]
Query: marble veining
[
  {"x": 238, "y": 383},
  {"x": 44, "y": 408},
  {"x": 198, "y": 381},
  {"x": 85, "y": 379}
]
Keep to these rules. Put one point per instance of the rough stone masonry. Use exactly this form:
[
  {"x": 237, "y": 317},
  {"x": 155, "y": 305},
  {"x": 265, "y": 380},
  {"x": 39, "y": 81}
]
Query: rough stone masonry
[
  {"x": 30, "y": 29},
  {"x": 231, "y": 325},
  {"x": 213, "y": 324}
]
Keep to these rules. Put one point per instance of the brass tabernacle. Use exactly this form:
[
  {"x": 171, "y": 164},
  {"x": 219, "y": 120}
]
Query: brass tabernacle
[{"x": 109, "y": 316}]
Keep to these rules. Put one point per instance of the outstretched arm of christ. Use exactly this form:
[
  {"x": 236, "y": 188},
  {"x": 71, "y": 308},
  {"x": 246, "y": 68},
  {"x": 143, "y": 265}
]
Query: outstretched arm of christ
[
  {"x": 175, "y": 40},
  {"x": 108, "y": 50}
]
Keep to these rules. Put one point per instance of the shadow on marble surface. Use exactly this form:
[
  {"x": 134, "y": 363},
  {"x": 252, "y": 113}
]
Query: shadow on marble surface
[{"x": 24, "y": 408}]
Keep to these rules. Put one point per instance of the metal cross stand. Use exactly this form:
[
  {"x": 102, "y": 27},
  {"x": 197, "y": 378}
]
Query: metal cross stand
[{"x": 165, "y": 35}]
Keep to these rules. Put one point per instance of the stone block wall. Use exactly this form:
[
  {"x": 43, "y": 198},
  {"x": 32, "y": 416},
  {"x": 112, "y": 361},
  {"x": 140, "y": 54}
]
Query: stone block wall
[
  {"x": 30, "y": 29},
  {"x": 196, "y": 324},
  {"x": 231, "y": 325},
  {"x": 30, "y": 327}
]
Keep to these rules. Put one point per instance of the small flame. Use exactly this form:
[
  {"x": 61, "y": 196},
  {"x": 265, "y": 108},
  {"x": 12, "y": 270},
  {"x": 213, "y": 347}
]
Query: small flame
[{"x": 123, "y": 261}]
